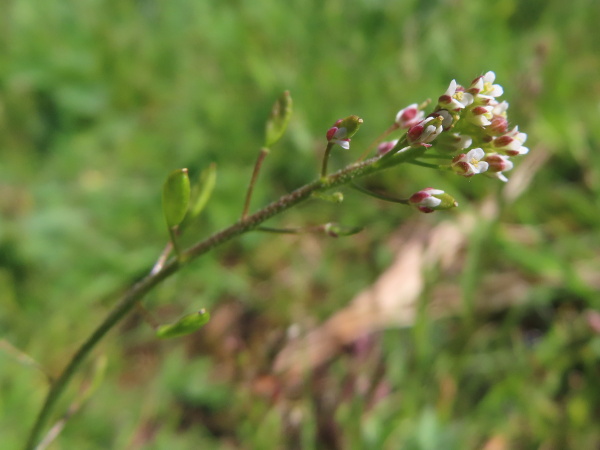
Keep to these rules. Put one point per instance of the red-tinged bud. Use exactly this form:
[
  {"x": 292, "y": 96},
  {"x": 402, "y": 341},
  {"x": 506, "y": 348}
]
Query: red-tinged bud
[
  {"x": 499, "y": 122},
  {"x": 409, "y": 116},
  {"x": 331, "y": 133},
  {"x": 429, "y": 200},
  {"x": 385, "y": 147},
  {"x": 425, "y": 131},
  {"x": 343, "y": 130},
  {"x": 498, "y": 164},
  {"x": 480, "y": 116},
  {"x": 511, "y": 143}
]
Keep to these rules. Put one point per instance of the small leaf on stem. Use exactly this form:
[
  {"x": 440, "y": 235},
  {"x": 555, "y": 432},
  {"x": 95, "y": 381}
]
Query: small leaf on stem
[
  {"x": 185, "y": 325},
  {"x": 278, "y": 119}
]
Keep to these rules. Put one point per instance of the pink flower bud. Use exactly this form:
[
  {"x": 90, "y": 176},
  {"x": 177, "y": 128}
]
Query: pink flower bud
[
  {"x": 385, "y": 147},
  {"x": 498, "y": 164},
  {"x": 511, "y": 143},
  {"x": 429, "y": 200},
  {"x": 409, "y": 116},
  {"x": 425, "y": 131},
  {"x": 480, "y": 116},
  {"x": 343, "y": 130}
]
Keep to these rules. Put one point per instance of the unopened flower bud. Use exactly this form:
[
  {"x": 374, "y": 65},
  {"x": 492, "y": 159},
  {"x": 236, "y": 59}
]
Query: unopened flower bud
[
  {"x": 447, "y": 117},
  {"x": 343, "y": 130},
  {"x": 480, "y": 116},
  {"x": 429, "y": 200},
  {"x": 498, "y": 126},
  {"x": 511, "y": 143},
  {"x": 409, "y": 116},
  {"x": 498, "y": 164},
  {"x": 385, "y": 147},
  {"x": 425, "y": 131}
]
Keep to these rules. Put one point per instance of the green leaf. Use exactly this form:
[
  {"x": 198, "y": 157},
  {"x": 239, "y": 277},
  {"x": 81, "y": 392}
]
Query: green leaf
[
  {"x": 278, "y": 119},
  {"x": 335, "y": 230},
  {"x": 203, "y": 190},
  {"x": 185, "y": 325},
  {"x": 176, "y": 197}
]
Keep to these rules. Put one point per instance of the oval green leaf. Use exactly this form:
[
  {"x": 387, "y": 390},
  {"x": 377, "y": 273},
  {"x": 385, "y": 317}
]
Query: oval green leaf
[
  {"x": 186, "y": 325},
  {"x": 176, "y": 197}
]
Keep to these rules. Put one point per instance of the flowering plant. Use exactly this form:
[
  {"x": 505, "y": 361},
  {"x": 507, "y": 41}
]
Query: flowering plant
[{"x": 467, "y": 132}]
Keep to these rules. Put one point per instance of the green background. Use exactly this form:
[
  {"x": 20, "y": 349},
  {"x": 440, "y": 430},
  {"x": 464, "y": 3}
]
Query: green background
[{"x": 100, "y": 100}]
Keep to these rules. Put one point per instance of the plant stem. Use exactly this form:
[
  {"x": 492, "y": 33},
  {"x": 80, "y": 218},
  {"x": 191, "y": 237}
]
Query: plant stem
[
  {"x": 326, "y": 159},
  {"x": 257, "y": 166},
  {"x": 424, "y": 164},
  {"x": 378, "y": 196},
  {"x": 141, "y": 288}
]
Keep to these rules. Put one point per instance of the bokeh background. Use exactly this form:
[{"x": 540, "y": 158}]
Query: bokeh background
[{"x": 475, "y": 328}]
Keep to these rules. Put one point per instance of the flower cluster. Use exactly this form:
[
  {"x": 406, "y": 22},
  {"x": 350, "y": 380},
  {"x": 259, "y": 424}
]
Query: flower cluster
[{"x": 471, "y": 123}]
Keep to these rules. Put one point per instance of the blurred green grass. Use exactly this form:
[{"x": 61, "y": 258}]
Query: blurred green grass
[{"x": 100, "y": 100}]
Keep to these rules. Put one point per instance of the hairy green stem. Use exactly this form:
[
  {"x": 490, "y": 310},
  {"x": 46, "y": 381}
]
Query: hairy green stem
[{"x": 249, "y": 223}]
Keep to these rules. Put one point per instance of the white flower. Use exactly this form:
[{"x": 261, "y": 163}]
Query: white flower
[
  {"x": 490, "y": 89},
  {"x": 483, "y": 86},
  {"x": 470, "y": 164},
  {"x": 455, "y": 98}
]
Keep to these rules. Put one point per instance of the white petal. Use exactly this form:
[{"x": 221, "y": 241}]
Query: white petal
[
  {"x": 489, "y": 77},
  {"x": 496, "y": 91},
  {"x": 344, "y": 144},
  {"x": 482, "y": 166},
  {"x": 451, "y": 89},
  {"x": 476, "y": 153},
  {"x": 430, "y": 202}
]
